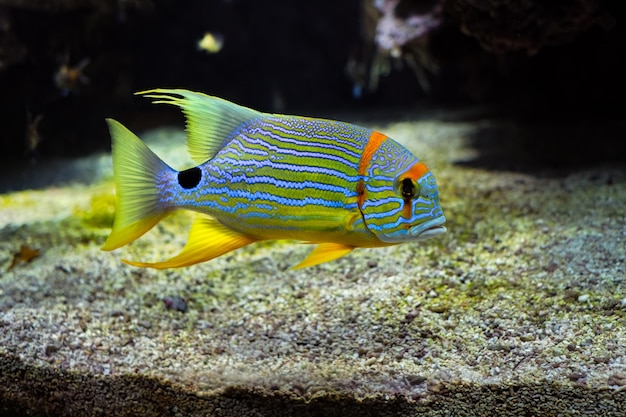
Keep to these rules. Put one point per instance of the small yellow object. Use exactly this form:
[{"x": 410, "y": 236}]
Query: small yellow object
[{"x": 211, "y": 42}]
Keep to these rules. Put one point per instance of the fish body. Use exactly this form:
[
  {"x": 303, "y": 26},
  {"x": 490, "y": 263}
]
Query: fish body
[{"x": 266, "y": 176}]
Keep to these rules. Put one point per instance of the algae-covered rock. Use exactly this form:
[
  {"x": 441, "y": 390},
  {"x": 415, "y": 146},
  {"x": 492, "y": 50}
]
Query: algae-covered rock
[{"x": 518, "y": 310}]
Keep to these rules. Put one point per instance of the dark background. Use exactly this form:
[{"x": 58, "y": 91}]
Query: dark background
[{"x": 539, "y": 64}]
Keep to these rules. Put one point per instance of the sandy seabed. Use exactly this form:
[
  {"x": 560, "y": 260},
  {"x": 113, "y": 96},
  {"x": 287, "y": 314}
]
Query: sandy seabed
[{"x": 518, "y": 310}]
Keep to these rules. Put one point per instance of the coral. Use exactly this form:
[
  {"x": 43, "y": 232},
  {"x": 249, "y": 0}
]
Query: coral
[{"x": 393, "y": 32}]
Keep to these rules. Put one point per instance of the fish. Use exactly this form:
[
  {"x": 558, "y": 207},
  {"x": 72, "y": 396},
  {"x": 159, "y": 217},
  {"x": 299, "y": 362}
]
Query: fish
[
  {"x": 32, "y": 138},
  {"x": 262, "y": 176},
  {"x": 68, "y": 78},
  {"x": 212, "y": 43}
]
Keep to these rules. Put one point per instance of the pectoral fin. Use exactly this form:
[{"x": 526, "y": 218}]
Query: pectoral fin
[
  {"x": 208, "y": 239},
  {"x": 324, "y": 252}
]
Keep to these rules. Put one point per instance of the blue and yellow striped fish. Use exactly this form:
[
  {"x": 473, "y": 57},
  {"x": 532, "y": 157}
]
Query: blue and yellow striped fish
[{"x": 266, "y": 176}]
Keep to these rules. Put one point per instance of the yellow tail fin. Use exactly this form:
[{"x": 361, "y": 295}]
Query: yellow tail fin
[{"x": 136, "y": 170}]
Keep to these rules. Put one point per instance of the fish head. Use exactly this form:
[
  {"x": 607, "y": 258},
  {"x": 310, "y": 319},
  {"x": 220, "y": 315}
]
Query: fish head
[{"x": 400, "y": 198}]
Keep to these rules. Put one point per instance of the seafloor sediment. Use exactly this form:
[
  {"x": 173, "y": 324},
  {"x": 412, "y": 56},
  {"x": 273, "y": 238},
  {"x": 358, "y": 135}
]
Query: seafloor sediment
[{"x": 518, "y": 310}]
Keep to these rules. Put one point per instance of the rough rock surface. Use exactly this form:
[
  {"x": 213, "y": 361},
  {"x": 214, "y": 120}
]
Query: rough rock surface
[{"x": 518, "y": 310}]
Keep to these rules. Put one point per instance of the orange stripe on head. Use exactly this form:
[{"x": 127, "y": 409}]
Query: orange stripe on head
[
  {"x": 417, "y": 171},
  {"x": 374, "y": 142},
  {"x": 414, "y": 173},
  {"x": 360, "y": 193},
  {"x": 407, "y": 211}
]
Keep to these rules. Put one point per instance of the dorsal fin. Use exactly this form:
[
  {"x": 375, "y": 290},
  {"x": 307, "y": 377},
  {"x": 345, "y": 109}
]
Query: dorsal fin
[{"x": 210, "y": 120}]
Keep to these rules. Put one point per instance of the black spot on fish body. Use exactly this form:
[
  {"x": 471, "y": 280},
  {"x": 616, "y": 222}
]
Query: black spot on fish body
[{"x": 190, "y": 178}]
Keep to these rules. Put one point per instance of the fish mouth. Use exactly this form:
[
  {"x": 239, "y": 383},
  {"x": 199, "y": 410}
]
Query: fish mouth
[
  {"x": 421, "y": 231},
  {"x": 429, "y": 229}
]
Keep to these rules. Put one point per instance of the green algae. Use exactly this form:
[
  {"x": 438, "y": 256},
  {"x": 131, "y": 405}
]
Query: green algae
[{"x": 101, "y": 211}]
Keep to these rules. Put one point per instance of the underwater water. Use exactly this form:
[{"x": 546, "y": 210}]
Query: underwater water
[
  {"x": 518, "y": 309},
  {"x": 525, "y": 292}
]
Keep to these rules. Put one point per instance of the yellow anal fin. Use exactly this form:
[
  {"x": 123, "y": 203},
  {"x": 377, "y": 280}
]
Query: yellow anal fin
[
  {"x": 208, "y": 239},
  {"x": 324, "y": 252}
]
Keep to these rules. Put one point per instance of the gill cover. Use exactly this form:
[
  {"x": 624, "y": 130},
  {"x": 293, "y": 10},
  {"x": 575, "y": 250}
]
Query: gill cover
[{"x": 400, "y": 200}]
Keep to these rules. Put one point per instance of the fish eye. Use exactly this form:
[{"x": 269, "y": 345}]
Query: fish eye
[{"x": 408, "y": 188}]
